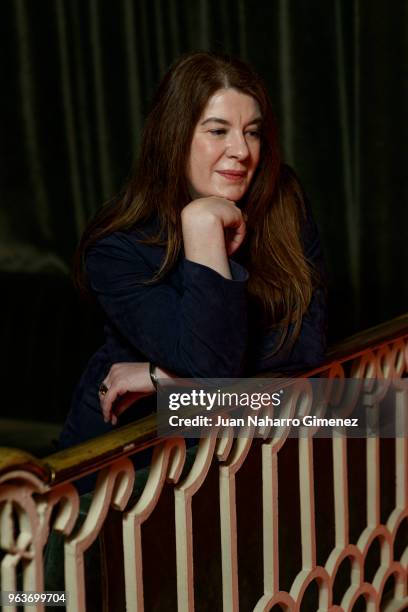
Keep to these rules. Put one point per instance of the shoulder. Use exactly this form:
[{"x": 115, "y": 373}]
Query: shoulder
[
  {"x": 128, "y": 245},
  {"x": 123, "y": 258}
]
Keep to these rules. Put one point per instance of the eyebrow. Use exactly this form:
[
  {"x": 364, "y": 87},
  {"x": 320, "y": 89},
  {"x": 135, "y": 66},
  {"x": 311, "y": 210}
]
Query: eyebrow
[{"x": 256, "y": 120}]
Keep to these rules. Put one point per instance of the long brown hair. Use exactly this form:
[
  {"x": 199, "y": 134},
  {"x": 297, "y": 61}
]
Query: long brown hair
[{"x": 281, "y": 280}]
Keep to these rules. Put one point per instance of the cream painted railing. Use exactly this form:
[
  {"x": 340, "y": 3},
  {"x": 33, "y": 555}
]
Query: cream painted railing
[{"x": 308, "y": 515}]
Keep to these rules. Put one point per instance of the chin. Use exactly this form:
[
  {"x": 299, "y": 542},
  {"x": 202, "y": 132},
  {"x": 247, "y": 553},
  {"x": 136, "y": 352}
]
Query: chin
[{"x": 234, "y": 194}]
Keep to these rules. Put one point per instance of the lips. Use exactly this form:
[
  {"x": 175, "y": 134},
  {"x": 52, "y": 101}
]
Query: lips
[{"x": 232, "y": 175}]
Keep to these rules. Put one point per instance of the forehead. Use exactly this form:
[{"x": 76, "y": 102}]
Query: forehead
[{"x": 232, "y": 103}]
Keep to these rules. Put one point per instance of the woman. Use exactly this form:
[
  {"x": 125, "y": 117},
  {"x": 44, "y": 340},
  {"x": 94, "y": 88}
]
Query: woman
[{"x": 209, "y": 263}]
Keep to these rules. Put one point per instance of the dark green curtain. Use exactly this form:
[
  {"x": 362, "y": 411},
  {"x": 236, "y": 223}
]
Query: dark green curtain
[{"x": 77, "y": 78}]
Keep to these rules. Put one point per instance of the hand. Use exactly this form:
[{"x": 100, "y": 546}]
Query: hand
[
  {"x": 200, "y": 217},
  {"x": 131, "y": 380}
]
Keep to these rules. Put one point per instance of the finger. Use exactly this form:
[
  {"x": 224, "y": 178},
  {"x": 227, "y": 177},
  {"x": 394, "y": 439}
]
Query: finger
[
  {"x": 241, "y": 227},
  {"x": 234, "y": 238},
  {"x": 121, "y": 406},
  {"x": 238, "y": 229},
  {"x": 103, "y": 388},
  {"x": 124, "y": 404},
  {"x": 103, "y": 393},
  {"x": 238, "y": 221},
  {"x": 106, "y": 406},
  {"x": 107, "y": 402},
  {"x": 233, "y": 246}
]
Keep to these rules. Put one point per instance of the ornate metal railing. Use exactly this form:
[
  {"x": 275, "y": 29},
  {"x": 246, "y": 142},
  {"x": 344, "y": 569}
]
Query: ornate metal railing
[{"x": 278, "y": 523}]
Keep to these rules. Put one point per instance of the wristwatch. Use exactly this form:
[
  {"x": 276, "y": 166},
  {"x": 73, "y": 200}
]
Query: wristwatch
[{"x": 153, "y": 375}]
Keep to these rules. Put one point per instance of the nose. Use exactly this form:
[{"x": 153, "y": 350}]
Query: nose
[{"x": 237, "y": 146}]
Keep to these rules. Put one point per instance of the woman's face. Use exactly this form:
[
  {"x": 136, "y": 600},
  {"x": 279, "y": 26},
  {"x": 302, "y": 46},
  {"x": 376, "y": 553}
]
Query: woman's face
[{"x": 225, "y": 147}]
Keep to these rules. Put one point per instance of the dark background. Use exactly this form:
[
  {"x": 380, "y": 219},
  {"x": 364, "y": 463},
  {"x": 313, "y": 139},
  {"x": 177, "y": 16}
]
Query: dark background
[{"x": 77, "y": 77}]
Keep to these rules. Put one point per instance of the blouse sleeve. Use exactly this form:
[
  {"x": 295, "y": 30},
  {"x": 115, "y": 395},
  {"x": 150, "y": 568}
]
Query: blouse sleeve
[
  {"x": 308, "y": 351},
  {"x": 199, "y": 331}
]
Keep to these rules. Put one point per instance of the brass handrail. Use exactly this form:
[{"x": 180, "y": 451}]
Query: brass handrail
[
  {"x": 94, "y": 454},
  {"x": 372, "y": 338}
]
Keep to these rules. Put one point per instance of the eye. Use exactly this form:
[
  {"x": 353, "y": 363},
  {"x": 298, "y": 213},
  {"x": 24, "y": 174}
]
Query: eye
[
  {"x": 218, "y": 132},
  {"x": 253, "y": 133}
]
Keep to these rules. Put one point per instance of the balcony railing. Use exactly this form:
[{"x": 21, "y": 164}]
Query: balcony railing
[{"x": 239, "y": 523}]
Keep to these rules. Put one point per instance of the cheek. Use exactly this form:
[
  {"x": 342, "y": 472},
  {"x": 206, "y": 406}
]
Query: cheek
[
  {"x": 200, "y": 157},
  {"x": 210, "y": 152}
]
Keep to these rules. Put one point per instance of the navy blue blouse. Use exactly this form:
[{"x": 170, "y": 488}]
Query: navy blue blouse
[{"x": 193, "y": 322}]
